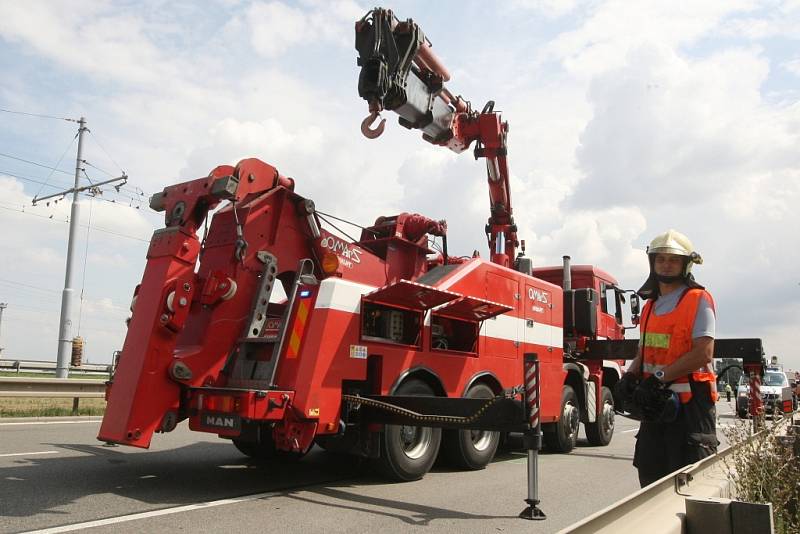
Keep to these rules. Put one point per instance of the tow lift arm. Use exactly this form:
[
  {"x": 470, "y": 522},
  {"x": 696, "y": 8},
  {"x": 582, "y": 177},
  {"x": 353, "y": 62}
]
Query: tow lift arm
[
  {"x": 146, "y": 392},
  {"x": 401, "y": 73}
]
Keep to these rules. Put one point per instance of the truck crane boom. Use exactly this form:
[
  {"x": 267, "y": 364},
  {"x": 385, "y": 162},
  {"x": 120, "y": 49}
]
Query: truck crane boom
[{"x": 401, "y": 73}]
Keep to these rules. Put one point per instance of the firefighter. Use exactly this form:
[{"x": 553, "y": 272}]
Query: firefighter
[
  {"x": 728, "y": 391},
  {"x": 675, "y": 383}
]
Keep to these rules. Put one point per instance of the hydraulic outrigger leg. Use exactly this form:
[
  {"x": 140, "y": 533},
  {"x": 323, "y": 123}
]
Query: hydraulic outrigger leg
[{"x": 533, "y": 437}]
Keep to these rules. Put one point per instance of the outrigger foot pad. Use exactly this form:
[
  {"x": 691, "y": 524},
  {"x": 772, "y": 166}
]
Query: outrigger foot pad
[{"x": 532, "y": 512}]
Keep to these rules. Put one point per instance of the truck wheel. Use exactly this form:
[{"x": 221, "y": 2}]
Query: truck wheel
[
  {"x": 257, "y": 451},
  {"x": 265, "y": 451},
  {"x": 563, "y": 435},
  {"x": 741, "y": 414},
  {"x": 408, "y": 452},
  {"x": 602, "y": 430},
  {"x": 471, "y": 449}
]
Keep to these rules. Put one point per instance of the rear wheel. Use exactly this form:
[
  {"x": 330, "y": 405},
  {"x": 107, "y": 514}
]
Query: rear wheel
[
  {"x": 471, "y": 449},
  {"x": 408, "y": 452},
  {"x": 602, "y": 430},
  {"x": 263, "y": 450},
  {"x": 562, "y": 436}
]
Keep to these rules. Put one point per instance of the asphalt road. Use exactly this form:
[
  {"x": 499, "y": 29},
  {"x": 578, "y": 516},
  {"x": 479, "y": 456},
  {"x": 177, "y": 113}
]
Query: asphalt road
[{"x": 54, "y": 475}]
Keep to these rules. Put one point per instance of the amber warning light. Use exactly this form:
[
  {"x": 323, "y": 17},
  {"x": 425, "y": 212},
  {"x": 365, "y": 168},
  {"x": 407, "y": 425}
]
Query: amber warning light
[{"x": 330, "y": 263}]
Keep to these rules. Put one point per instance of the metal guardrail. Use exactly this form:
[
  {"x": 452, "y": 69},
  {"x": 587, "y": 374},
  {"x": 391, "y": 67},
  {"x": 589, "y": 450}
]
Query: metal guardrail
[
  {"x": 661, "y": 505},
  {"x": 52, "y": 387},
  {"x": 48, "y": 388},
  {"x": 34, "y": 366}
]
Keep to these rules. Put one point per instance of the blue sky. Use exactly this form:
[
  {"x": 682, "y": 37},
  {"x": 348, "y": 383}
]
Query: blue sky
[{"x": 627, "y": 118}]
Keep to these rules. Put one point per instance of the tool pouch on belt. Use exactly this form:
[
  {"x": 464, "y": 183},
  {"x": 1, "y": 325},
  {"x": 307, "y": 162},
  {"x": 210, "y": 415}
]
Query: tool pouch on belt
[{"x": 700, "y": 414}]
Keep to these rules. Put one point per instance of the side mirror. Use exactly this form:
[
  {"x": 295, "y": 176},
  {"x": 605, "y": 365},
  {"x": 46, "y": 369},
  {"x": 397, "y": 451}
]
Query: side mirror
[
  {"x": 635, "y": 308},
  {"x": 580, "y": 312}
]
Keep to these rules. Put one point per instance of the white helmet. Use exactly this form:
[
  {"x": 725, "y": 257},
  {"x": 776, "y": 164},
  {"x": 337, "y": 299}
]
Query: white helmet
[{"x": 674, "y": 242}]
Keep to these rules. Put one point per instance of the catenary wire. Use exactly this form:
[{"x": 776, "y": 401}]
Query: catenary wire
[
  {"x": 54, "y": 169},
  {"x": 30, "y": 179},
  {"x": 96, "y": 140},
  {"x": 40, "y": 115},
  {"x": 98, "y": 229},
  {"x": 85, "y": 258}
]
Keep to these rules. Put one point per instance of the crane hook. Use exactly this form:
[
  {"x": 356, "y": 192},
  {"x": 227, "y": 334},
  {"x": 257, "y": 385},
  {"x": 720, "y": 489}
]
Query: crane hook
[{"x": 367, "y": 123}]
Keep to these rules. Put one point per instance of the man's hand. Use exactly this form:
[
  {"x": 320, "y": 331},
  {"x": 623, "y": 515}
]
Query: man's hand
[
  {"x": 623, "y": 391},
  {"x": 649, "y": 397}
]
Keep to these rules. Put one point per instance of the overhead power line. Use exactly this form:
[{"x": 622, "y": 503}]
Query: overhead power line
[
  {"x": 29, "y": 286},
  {"x": 54, "y": 169},
  {"x": 40, "y": 115},
  {"x": 77, "y": 136},
  {"x": 103, "y": 230},
  {"x": 96, "y": 140},
  {"x": 30, "y": 179}
]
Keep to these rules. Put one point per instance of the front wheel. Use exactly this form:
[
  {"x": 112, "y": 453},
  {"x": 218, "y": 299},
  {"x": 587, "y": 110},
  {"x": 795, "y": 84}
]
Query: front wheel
[
  {"x": 602, "y": 430},
  {"x": 472, "y": 449},
  {"x": 408, "y": 452},
  {"x": 562, "y": 436}
]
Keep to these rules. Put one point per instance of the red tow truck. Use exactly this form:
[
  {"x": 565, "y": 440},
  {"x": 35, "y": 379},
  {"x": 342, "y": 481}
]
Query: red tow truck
[{"x": 382, "y": 346}]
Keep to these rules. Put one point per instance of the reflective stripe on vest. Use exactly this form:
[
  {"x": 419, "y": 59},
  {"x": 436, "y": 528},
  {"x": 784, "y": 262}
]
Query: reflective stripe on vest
[{"x": 668, "y": 337}]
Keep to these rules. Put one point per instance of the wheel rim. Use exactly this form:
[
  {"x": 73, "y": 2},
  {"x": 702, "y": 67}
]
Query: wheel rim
[
  {"x": 481, "y": 439},
  {"x": 415, "y": 440},
  {"x": 572, "y": 420},
  {"x": 608, "y": 418}
]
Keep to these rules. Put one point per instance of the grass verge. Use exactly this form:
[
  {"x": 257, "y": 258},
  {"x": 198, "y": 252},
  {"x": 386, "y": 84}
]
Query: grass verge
[{"x": 36, "y": 407}]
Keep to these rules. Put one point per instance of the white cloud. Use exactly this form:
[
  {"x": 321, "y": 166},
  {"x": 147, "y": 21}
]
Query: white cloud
[
  {"x": 64, "y": 31},
  {"x": 684, "y": 131},
  {"x": 548, "y": 8},
  {"x": 275, "y": 27},
  {"x": 601, "y": 238},
  {"x": 792, "y": 66},
  {"x": 774, "y": 19},
  {"x": 614, "y": 28}
]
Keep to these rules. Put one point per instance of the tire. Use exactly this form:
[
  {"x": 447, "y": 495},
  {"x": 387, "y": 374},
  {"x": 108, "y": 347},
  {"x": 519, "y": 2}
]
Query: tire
[
  {"x": 471, "y": 449},
  {"x": 562, "y": 436},
  {"x": 408, "y": 452},
  {"x": 256, "y": 451},
  {"x": 741, "y": 414},
  {"x": 602, "y": 430},
  {"x": 265, "y": 451}
]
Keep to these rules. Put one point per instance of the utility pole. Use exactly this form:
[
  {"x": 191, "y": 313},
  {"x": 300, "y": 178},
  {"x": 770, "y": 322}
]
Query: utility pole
[
  {"x": 3, "y": 306},
  {"x": 65, "y": 324}
]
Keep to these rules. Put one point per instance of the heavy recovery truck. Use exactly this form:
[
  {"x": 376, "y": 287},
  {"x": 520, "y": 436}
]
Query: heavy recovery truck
[{"x": 382, "y": 347}]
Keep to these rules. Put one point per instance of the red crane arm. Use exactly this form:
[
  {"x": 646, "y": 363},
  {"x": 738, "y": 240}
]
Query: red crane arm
[
  {"x": 489, "y": 132},
  {"x": 401, "y": 73}
]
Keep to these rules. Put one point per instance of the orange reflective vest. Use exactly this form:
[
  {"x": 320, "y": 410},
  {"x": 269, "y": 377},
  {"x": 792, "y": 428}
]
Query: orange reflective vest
[{"x": 668, "y": 337}]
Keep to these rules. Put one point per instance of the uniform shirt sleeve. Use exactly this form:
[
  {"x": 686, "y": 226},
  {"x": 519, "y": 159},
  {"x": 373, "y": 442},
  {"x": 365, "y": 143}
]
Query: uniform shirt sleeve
[{"x": 704, "y": 320}]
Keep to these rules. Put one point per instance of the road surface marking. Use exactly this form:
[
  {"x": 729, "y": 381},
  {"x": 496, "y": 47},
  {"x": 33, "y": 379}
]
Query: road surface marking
[
  {"x": 51, "y": 422},
  {"x": 631, "y": 430},
  {"x": 27, "y": 453},
  {"x": 153, "y": 513}
]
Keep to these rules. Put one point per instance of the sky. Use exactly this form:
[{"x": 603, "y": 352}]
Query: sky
[{"x": 626, "y": 119}]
